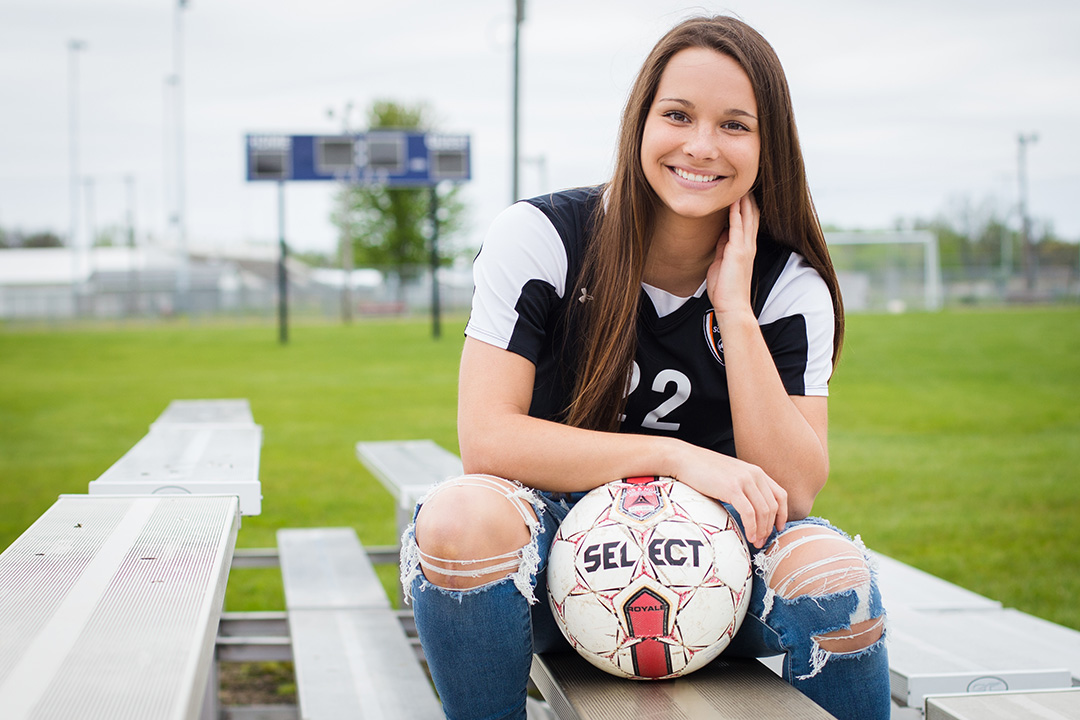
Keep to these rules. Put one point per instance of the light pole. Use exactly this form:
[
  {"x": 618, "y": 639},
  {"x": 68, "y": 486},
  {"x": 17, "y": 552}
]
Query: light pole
[
  {"x": 1025, "y": 221},
  {"x": 132, "y": 303},
  {"x": 436, "y": 331},
  {"x": 91, "y": 217},
  {"x": 347, "y": 224},
  {"x": 282, "y": 274},
  {"x": 519, "y": 18},
  {"x": 183, "y": 280},
  {"x": 540, "y": 161},
  {"x": 129, "y": 195},
  {"x": 74, "y": 46}
]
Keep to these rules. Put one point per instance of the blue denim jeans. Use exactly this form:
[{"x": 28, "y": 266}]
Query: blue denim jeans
[{"x": 479, "y": 642}]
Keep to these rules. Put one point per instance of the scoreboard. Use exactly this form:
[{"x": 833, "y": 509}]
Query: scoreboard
[{"x": 387, "y": 157}]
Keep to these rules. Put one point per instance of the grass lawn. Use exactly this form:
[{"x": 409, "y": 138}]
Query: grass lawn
[
  {"x": 955, "y": 447},
  {"x": 955, "y": 437}
]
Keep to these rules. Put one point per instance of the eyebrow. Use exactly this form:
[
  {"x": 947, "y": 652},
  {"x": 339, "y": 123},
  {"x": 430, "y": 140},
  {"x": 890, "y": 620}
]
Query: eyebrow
[{"x": 730, "y": 111}]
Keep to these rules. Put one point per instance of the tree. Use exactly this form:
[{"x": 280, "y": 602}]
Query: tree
[
  {"x": 390, "y": 227},
  {"x": 43, "y": 239},
  {"x": 38, "y": 239},
  {"x": 974, "y": 238}
]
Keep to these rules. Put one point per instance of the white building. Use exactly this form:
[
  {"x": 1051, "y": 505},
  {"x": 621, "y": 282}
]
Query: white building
[{"x": 38, "y": 283}]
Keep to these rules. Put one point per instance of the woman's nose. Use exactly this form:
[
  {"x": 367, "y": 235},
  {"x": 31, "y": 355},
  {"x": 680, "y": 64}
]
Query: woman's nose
[{"x": 702, "y": 144}]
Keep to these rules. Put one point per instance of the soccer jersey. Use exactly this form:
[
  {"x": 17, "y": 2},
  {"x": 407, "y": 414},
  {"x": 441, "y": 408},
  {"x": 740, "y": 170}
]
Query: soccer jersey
[{"x": 526, "y": 275}]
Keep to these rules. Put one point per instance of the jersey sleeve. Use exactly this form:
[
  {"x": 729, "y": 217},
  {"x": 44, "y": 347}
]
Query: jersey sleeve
[
  {"x": 798, "y": 323},
  {"x": 519, "y": 275}
]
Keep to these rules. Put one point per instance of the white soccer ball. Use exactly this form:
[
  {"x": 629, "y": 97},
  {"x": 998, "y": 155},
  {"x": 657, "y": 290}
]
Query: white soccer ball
[{"x": 648, "y": 578}]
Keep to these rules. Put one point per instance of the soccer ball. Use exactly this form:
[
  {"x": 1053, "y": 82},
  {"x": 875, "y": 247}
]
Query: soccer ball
[{"x": 648, "y": 578}]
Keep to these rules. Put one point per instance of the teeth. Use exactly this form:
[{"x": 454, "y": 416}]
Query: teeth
[{"x": 694, "y": 178}]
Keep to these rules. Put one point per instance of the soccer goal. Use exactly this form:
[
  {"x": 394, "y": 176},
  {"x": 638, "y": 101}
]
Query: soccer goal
[{"x": 887, "y": 271}]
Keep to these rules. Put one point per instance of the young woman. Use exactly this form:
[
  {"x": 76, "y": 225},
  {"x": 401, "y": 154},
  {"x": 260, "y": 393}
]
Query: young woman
[{"x": 682, "y": 320}]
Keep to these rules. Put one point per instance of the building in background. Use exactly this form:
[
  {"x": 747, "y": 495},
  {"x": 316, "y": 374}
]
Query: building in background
[{"x": 41, "y": 284}]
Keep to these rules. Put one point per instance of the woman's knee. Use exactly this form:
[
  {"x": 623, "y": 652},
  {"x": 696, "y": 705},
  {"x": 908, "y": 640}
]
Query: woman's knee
[
  {"x": 471, "y": 531},
  {"x": 817, "y": 561}
]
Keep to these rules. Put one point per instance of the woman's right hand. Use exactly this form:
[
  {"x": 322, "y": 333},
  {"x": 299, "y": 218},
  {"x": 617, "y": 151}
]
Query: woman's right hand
[{"x": 759, "y": 500}]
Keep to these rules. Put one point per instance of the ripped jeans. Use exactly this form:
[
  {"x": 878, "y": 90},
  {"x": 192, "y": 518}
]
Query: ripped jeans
[{"x": 479, "y": 642}]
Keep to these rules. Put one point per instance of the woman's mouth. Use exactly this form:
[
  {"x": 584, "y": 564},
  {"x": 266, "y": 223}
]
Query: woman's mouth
[{"x": 694, "y": 177}]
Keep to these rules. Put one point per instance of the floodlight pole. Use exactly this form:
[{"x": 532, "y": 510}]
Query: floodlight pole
[
  {"x": 91, "y": 218},
  {"x": 346, "y": 249},
  {"x": 74, "y": 46},
  {"x": 540, "y": 161},
  {"x": 519, "y": 17},
  {"x": 129, "y": 195},
  {"x": 132, "y": 300},
  {"x": 1025, "y": 221},
  {"x": 434, "y": 208},
  {"x": 283, "y": 279},
  {"x": 183, "y": 278}
]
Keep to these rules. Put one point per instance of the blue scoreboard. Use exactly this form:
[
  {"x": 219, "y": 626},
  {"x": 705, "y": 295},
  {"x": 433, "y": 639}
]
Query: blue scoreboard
[{"x": 398, "y": 158}]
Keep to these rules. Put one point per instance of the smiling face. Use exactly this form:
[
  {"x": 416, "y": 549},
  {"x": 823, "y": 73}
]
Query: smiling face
[{"x": 701, "y": 144}]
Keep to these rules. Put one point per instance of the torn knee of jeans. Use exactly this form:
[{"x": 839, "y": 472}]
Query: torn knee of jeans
[
  {"x": 817, "y": 561},
  {"x": 520, "y": 565},
  {"x": 814, "y": 564},
  {"x": 858, "y": 636},
  {"x": 867, "y": 640}
]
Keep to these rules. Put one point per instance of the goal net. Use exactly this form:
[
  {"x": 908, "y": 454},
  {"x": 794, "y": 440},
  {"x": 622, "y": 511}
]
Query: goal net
[{"x": 887, "y": 271}]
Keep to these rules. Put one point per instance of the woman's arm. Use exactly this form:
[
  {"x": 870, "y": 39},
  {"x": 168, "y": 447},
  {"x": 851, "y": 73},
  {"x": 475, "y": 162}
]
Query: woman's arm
[
  {"x": 497, "y": 436},
  {"x": 787, "y": 436},
  {"x": 783, "y": 434}
]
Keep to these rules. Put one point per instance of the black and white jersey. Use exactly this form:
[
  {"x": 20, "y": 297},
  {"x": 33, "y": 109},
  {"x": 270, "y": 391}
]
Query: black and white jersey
[{"x": 526, "y": 274}]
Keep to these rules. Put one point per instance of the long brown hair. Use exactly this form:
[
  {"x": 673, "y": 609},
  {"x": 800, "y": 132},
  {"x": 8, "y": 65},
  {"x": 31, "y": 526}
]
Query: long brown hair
[{"x": 615, "y": 261}]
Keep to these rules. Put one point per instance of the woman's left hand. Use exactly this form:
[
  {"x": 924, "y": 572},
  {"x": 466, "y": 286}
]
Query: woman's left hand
[{"x": 728, "y": 279}]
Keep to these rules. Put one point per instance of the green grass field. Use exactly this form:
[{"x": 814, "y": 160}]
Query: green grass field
[{"x": 955, "y": 437}]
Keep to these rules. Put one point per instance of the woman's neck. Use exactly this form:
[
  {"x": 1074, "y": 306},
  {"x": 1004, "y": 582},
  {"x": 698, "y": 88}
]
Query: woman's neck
[{"x": 681, "y": 251}]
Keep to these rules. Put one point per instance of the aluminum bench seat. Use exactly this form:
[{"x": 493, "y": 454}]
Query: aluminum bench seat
[
  {"x": 941, "y": 652},
  {"x": 224, "y": 413},
  {"x": 190, "y": 459},
  {"x": 1032, "y": 705},
  {"x": 109, "y": 607},
  {"x": 352, "y": 658}
]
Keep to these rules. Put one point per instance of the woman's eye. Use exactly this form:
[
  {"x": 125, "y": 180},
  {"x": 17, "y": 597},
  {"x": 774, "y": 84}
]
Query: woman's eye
[
  {"x": 733, "y": 125},
  {"x": 677, "y": 116}
]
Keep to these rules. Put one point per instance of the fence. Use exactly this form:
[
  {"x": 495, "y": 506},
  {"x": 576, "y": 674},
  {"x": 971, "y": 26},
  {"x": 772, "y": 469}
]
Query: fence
[
  {"x": 208, "y": 294},
  {"x": 150, "y": 295}
]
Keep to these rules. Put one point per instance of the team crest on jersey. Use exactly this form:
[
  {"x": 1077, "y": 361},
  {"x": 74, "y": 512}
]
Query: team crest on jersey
[{"x": 712, "y": 336}]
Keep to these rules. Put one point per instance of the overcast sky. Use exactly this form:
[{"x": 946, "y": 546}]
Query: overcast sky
[{"x": 904, "y": 109}]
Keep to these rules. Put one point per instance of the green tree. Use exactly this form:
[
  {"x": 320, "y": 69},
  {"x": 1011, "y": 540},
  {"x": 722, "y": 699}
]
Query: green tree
[
  {"x": 40, "y": 239},
  {"x": 976, "y": 237},
  {"x": 389, "y": 228}
]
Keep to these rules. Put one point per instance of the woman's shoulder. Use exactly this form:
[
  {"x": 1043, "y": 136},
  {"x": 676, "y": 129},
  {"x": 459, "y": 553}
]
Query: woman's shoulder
[
  {"x": 522, "y": 270},
  {"x": 537, "y": 239},
  {"x": 568, "y": 197},
  {"x": 795, "y": 288},
  {"x": 550, "y": 230},
  {"x": 569, "y": 211}
]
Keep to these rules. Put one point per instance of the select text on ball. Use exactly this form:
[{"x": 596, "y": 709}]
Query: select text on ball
[{"x": 662, "y": 551}]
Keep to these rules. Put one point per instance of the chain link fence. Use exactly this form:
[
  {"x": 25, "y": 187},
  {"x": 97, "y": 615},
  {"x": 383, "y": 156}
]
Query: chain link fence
[{"x": 222, "y": 292}]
